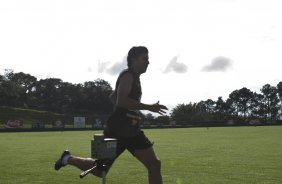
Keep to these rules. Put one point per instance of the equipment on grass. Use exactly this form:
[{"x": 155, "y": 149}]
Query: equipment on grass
[{"x": 104, "y": 150}]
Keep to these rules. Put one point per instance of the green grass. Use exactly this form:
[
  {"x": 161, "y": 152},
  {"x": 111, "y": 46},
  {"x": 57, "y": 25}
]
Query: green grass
[{"x": 251, "y": 155}]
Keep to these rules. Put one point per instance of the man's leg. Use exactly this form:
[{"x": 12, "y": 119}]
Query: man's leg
[
  {"x": 84, "y": 164},
  {"x": 87, "y": 163},
  {"x": 152, "y": 163},
  {"x": 81, "y": 163}
]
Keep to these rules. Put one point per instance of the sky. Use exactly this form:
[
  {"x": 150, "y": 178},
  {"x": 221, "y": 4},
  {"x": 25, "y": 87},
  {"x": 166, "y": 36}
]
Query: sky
[{"x": 198, "y": 49}]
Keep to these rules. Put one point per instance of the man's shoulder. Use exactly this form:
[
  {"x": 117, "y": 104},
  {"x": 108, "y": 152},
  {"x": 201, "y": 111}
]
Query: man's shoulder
[
  {"x": 126, "y": 77},
  {"x": 126, "y": 74}
]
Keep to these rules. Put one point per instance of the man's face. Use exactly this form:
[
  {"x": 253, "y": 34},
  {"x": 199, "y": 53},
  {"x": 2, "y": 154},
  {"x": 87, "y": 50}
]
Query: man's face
[{"x": 142, "y": 62}]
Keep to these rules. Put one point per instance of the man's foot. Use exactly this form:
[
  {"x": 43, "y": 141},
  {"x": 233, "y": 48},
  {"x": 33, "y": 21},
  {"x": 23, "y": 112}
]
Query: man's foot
[{"x": 61, "y": 162}]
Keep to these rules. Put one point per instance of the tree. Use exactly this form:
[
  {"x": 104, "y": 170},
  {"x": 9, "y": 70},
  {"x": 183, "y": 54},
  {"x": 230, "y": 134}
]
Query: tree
[
  {"x": 75, "y": 97},
  {"x": 102, "y": 101},
  {"x": 1, "y": 78},
  {"x": 10, "y": 91},
  {"x": 221, "y": 109},
  {"x": 279, "y": 90},
  {"x": 20, "y": 89},
  {"x": 257, "y": 106},
  {"x": 233, "y": 102},
  {"x": 203, "y": 111},
  {"x": 162, "y": 120},
  {"x": 193, "y": 113},
  {"x": 8, "y": 74},
  {"x": 25, "y": 83},
  {"x": 219, "y": 105},
  {"x": 47, "y": 94},
  {"x": 244, "y": 102},
  {"x": 149, "y": 119},
  {"x": 182, "y": 113},
  {"x": 210, "y": 105},
  {"x": 270, "y": 100}
]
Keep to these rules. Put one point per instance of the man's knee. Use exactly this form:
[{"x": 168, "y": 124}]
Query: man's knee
[
  {"x": 102, "y": 167},
  {"x": 154, "y": 165},
  {"x": 97, "y": 173}
]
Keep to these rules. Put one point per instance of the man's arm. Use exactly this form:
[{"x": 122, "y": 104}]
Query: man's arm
[{"x": 124, "y": 101}]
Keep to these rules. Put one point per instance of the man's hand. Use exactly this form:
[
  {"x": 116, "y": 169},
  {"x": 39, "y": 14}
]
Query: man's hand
[{"x": 158, "y": 108}]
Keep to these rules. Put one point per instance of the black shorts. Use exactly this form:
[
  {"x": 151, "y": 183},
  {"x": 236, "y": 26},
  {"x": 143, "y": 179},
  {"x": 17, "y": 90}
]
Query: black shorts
[{"x": 138, "y": 142}]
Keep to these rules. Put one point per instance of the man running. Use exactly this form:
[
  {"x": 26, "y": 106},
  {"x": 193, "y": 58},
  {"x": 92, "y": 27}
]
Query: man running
[{"x": 124, "y": 123}]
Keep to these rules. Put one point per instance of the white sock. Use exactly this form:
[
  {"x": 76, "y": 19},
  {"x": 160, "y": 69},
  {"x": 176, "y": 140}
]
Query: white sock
[{"x": 65, "y": 159}]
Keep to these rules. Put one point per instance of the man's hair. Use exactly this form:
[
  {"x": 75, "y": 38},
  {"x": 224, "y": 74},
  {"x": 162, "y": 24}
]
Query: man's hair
[{"x": 135, "y": 52}]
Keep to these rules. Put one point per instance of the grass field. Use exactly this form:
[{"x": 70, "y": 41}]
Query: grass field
[{"x": 192, "y": 155}]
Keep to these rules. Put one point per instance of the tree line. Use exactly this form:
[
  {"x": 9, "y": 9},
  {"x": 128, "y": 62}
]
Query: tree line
[
  {"x": 241, "y": 107},
  {"x": 52, "y": 94}
]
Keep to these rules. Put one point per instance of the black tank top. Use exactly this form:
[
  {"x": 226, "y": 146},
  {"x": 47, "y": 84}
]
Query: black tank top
[
  {"x": 134, "y": 94},
  {"x": 136, "y": 91},
  {"x": 118, "y": 123}
]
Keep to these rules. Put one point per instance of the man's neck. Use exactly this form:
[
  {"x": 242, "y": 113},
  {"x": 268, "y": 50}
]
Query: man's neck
[{"x": 135, "y": 71}]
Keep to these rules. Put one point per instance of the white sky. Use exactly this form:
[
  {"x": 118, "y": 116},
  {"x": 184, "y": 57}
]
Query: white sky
[{"x": 198, "y": 49}]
